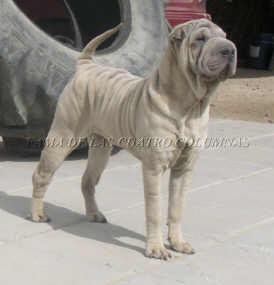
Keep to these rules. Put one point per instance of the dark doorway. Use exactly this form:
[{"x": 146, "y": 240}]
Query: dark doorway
[{"x": 243, "y": 20}]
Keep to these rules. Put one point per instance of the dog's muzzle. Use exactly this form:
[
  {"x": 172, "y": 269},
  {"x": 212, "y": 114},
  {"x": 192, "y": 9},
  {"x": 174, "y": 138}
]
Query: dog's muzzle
[
  {"x": 219, "y": 59},
  {"x": 229, "y": 54}
]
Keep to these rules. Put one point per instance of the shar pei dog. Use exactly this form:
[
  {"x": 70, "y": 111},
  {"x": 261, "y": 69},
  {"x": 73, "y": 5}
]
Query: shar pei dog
[{"x": 159, "y": 120}]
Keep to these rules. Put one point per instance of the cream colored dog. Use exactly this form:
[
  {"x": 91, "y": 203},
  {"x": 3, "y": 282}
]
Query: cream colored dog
[{"x": 158, "y": 120}]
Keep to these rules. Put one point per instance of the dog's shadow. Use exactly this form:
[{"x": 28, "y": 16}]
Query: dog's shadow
[{"x": 72, "y": 222}]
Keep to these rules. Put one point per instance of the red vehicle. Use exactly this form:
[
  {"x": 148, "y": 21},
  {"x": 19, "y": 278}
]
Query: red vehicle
[{"x": 181, "y": 11}]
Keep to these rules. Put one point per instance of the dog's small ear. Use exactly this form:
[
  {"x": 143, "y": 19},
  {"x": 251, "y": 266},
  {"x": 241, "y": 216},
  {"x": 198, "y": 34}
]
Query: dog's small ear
[
  {"x": 179, "y": 33},
  {"x": 176, "y": 37}
]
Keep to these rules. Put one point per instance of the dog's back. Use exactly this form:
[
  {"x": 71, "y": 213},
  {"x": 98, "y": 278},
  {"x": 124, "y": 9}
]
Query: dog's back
[{"x": 112, "y": 96}]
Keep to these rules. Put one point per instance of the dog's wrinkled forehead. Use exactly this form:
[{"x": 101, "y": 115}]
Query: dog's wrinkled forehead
[{"x": 183, "y": 31}]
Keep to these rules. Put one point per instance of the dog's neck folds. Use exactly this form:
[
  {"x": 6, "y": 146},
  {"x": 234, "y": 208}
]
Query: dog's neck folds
[
  {"x": 180, "y": 89},
  {"x": 181, "y": 95}
]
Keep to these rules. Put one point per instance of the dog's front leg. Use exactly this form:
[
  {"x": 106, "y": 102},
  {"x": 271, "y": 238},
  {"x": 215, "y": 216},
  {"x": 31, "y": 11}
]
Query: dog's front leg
[
  {"x": 180, "y": 178},
  {"x": 152, "y": 183}
]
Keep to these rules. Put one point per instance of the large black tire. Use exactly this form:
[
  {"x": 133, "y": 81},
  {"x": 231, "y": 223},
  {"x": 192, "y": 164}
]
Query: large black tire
[{"x": 34, "y": 68}]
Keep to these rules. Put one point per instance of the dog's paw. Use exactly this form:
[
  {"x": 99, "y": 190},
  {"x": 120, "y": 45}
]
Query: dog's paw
[
  {"x": 39, "y": 218},
  {"x": 158, "y": 252},
  {"x": 97, "y": 217},
  {"x": 37, "y": 212},
  {"x": 182, "y": 247}
]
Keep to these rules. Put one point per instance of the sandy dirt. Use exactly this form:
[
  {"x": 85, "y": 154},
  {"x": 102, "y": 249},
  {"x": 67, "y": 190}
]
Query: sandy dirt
[{"x": 249, "y": 97}]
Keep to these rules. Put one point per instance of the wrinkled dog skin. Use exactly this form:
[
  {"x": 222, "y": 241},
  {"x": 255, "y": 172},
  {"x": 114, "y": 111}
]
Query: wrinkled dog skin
[{"x": 171, "y": 106}]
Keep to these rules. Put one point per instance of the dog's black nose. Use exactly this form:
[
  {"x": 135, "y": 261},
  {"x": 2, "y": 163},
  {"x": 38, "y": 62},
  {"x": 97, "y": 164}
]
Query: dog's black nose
[{"x": 228, "y": 52}]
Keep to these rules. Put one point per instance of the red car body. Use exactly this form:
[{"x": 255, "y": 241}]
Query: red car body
[
  {"x": 38, "y": 10},
  {"x": 181, "y": 11},
  {"x": 177, "y": 11}
]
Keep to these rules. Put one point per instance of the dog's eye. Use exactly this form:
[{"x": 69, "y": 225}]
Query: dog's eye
[{"x": 201, "y": 39}]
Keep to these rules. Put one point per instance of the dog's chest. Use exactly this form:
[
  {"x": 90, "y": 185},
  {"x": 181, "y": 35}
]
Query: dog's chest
[
  {"x": 192, "y": 128},
  {"x": 170, "y": 158},
  {"x": 159, "y": 159}
]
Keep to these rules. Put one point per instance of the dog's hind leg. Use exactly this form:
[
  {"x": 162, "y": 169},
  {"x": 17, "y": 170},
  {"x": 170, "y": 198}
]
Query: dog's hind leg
[
  {"x": 63, "y": 138},
  {"x": 97, "y": 161},
  {"x": 51, "y": 159}
]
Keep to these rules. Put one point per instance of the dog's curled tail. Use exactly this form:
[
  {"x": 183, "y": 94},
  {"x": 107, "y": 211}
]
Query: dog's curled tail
[{"x": 91, "y": 47}]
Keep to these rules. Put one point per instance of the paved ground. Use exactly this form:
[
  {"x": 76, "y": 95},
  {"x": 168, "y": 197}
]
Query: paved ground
[{"x": 229, "y": 219}]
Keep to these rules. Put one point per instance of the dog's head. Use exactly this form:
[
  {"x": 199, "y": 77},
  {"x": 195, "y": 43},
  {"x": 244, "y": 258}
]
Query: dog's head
[{"x": 202, "y": 46}]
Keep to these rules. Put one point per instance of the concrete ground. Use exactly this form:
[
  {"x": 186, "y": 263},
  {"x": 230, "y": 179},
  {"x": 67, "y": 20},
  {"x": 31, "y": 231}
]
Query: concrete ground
[{"x": 229, "y": 219}]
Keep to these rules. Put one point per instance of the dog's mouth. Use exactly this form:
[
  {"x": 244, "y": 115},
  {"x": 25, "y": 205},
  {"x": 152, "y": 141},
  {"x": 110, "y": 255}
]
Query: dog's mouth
[
  {"x": 228, "y": 71},
  {"x": 217, "y": 61},
  {"x": 218, "y": 71}
]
